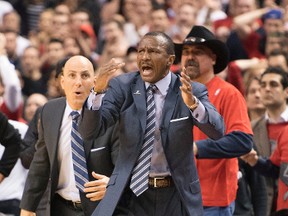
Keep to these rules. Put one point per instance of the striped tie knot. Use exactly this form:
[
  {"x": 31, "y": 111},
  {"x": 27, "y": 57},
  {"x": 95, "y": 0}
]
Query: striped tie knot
[
  {"x": 75, "y": 115},
  {"x": 152, "y": 89}
]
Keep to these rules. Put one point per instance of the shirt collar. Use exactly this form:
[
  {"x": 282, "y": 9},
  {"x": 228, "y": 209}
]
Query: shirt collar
[
  {"x": 68, "y": 110},
  {"x": 162, "y": 84},
  {"x": 283, "y": 117}
]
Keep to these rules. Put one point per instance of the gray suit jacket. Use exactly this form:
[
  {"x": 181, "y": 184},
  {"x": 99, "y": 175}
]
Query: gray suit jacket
[
  {"x": 261, "y": 140},
  {"x": 122, "y": 103},
  {"x": 44, "y": 167}
]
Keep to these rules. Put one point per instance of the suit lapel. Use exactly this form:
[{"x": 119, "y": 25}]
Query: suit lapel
[
  {"x": 172, "y": 98},
  {"x": 87, "y": 147},
  {"x": 56, "y": 119},
  {"x": 261, "y": 137},
  {"x": 138, "y": 92}
]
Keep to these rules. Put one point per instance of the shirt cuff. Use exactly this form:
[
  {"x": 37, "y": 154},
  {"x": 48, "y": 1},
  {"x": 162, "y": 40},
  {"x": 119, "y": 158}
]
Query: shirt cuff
[
  {"x": 200, "y": 113},
  {"x": 94, "y": 101}
]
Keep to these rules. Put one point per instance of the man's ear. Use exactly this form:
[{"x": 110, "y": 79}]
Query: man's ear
[
  {"x": 61, "y": 81},
  {"x": 286, "y": 93},
  {"x": 171, "y": 60}
]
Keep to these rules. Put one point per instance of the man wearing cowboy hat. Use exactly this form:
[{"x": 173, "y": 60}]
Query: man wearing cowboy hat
[{"x": 203, "y": 56}]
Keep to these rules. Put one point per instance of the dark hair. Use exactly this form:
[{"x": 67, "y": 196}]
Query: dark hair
[
  {"x": 131, "y": 49},
  {"x": 159, "y": 7},
  {"x": 277, "y": 52},
  {"x": 168, "y": 41},
  {"x": 60, "y": 65},
  {"x": 279, "y": 71},
  {"x": 83, "y": 10},
  {"x": 55, "y": 40}
]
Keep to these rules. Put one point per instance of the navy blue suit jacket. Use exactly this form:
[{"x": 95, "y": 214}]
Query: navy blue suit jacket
[{"x": 125, "y": 101}]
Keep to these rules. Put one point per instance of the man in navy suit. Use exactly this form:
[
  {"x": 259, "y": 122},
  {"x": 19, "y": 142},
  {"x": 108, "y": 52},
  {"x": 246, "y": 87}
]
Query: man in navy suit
[{"x": 173, "y": 184}]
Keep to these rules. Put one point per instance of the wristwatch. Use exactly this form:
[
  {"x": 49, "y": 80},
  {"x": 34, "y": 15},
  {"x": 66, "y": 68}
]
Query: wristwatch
[
  {"x": 96, "y": 92},
  {"x": 195, "y": 105}
]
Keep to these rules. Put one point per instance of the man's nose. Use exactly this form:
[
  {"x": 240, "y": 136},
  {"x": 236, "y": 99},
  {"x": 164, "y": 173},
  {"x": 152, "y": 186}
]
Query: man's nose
[
  {"x": 190, "y": 55},
  {"x": 78, "y": 80},
  {"x": 146, "y": 55},
  {"x": 257, "y": 94},
  {"x": 267, "y": 87}
]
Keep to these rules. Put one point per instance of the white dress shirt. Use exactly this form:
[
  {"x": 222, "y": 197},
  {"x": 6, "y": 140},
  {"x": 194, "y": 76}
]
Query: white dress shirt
[
  {"x": 66, "y": 184},
  {"x": 283, "y": 117}
]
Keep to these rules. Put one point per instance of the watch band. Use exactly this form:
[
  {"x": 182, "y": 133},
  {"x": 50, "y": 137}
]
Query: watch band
[
  {"x": 195, "y": 105},
  {"x": 98, "y": 92}
]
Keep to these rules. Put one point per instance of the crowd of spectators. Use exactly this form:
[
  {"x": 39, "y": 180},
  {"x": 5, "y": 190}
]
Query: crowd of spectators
[{"x": 35, "y": 35}]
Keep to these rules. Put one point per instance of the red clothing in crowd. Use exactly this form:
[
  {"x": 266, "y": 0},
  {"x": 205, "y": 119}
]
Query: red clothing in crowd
[
  {"x": 273, "y": 133},
  {"x": 251, "y": 45},
  {"x": 16, "y": 115},
  {"x": 218, "y": 177},
  {"x": 280, "y": 158},
  {"x": 235, "y": 77}
]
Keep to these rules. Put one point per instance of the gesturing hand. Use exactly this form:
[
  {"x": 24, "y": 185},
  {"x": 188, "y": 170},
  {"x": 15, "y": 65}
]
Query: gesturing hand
[
  {"x": 186, "y": 89},
  {"x": 105, "y": 73},
  {"x": 95, "y": 190}
]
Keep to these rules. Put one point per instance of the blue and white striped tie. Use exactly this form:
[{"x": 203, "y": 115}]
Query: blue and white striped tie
[
  {"x": 78, "y": 154},
  {"x": 140, "y": 174}
]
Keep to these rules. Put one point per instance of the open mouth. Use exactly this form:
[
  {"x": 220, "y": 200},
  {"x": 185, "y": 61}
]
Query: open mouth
[{"x": 146, "y": 70}]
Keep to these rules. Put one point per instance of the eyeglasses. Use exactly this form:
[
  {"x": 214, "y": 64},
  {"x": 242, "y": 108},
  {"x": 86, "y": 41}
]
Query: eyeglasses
[{"x": 194, "y": 40}]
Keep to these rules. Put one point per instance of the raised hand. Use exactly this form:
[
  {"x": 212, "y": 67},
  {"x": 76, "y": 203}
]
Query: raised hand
[
  {"x": 186, "y": 89},
  {"x": 105, "y": 73}
]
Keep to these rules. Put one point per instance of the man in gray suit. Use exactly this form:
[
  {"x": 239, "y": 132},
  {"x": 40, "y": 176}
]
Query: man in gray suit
[
  {"x": 53, "y": 162},
  {"x": 274, "y": 95},
  {"x": 170, "y": 181}
]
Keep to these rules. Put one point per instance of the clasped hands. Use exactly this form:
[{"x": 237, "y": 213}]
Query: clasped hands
[{"x": 251, "y": 158}]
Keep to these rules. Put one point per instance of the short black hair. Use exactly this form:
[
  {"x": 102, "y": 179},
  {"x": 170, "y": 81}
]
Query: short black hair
[
  {"x": 277, "y": 52},
  {"x": 280, "y": 71},
  {"x": 60, "y": 65},
  {"x": 168, "y": 41},
  {"x": 131, "y": 49}
]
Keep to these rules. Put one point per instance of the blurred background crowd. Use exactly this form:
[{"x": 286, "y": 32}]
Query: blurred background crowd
[{"x": 38, "y": 34}]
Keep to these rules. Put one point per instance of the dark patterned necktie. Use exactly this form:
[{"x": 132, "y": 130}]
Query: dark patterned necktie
[
  {"x": 140, "y": 174},
  {"x": 78, "y": 154}
]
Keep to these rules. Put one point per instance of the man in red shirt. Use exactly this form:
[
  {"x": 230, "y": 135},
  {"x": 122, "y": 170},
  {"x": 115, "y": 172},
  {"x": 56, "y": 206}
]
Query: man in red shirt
[{"x": 203, "y": 56}]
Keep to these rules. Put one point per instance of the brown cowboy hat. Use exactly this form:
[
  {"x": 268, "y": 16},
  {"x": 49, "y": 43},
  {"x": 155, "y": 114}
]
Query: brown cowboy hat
[{"x": 201, "y": 35}]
